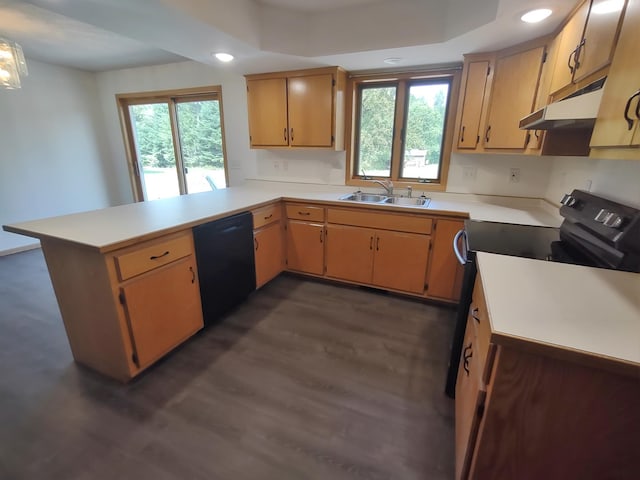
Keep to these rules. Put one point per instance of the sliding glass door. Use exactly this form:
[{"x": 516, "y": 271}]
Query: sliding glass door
[{"x": 175, "y": 143}]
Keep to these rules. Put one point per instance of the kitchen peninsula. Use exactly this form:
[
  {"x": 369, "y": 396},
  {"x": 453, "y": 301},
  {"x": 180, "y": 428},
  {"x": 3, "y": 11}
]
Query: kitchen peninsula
[{"x": 112, "y": 275}]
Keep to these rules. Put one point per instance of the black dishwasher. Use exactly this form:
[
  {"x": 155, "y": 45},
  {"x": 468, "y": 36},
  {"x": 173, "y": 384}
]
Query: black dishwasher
[{"x": 226, "y": 266}]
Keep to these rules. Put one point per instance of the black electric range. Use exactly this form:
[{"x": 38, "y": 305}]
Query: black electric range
[{"x": 595, "y": 232}]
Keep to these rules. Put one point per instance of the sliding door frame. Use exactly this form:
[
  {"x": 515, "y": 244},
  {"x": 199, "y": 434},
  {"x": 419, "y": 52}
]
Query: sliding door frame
[{"x": 171, "y": 98}]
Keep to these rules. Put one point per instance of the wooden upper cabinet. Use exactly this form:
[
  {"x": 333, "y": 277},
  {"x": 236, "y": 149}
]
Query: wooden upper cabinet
[
  {"x": 587, "y": 43},
  {"x": 267, "y": 106},
  {"x": 568, "y": 40},
  {"x": 310, "y": 110},
  {"x": 476, "y": 80},
  {"x": 297, "y": 109},
  {"x": 513, "y": 95},
  {"x": 599, "y": 39},
  {"x": 619, "y": 114}
]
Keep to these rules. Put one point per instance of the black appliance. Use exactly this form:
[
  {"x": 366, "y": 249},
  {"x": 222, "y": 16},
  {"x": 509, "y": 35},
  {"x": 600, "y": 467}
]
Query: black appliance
[
  {"x": 226, "y": 265},
  {"x": 595, "y": 232}
]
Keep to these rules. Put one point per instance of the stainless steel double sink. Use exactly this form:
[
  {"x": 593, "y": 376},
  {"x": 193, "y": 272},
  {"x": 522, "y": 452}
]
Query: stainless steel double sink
[{"x": 386, "y": 199}]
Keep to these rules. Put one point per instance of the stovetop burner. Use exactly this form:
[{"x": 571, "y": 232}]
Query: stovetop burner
[{"x": 595, "y": 232}]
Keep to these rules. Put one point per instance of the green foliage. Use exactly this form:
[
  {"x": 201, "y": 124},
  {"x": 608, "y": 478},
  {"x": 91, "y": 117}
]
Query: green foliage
[
  {"x": 425, "y": 126},
  {"x": 376, "y": 128},
  {"x": 424, "y": 129},
  {"x": 198, "y": 127}
]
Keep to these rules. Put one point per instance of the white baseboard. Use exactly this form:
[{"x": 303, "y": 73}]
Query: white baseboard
[{"x": 23, "y": 248}]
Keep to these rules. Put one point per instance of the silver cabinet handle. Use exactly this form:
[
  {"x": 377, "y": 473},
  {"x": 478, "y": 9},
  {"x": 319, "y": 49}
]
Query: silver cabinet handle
[{"x": 456, "y": 241}]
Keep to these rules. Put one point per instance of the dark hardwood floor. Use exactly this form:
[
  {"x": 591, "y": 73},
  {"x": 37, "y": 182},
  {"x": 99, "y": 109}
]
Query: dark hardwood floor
[{"x": 306, "y": 380}]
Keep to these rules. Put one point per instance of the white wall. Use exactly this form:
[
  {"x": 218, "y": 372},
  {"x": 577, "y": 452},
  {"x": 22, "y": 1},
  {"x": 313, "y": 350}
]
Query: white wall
[
  {"x": 618, "y": 180},
  {"x": 50, "y": 149},
  {"x": 241, "y": 160},
  {"x": 491, "y": 174}
]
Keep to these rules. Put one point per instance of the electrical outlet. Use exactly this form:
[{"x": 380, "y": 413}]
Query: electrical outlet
[
  {"x": 469, "y": 173},
  {"x": 514, "y": 176}
]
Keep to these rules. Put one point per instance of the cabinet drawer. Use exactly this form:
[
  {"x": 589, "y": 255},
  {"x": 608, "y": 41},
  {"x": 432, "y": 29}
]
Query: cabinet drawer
[
  {"x": 383, "y": 221},
  {"x": 266, "y": 215},
  {"x": 304, "y": 212},
  {"x": 153, "y": 254}
]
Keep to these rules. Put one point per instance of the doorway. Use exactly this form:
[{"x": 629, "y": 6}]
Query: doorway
[{"x": 175, "y": 142}]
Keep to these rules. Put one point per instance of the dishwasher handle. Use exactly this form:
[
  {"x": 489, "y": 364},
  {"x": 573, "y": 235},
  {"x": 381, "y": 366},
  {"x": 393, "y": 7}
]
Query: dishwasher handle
[{"x": 456, "y": 243}]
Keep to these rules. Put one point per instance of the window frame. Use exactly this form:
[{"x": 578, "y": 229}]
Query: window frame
[
  {"x": 403, "y": 81},
  {"x": 172, "y": 98}
]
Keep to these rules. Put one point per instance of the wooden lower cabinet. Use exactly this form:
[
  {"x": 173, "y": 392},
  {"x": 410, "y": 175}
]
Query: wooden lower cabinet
[
  {"x": 388, "y": 259},
  {"x": 400, "y": 260},
  {"x": 163, "y": 309},
  {"x": 305, "y": 247},
  {"x": 124, "y": 309},
  {"x": 527, "y": 412},
  {"x": 445, "y": 272},
  {"x": 350, "y": 253},
  {"x": 469, "y": 397},
  {"x": 269, "y": 252}
]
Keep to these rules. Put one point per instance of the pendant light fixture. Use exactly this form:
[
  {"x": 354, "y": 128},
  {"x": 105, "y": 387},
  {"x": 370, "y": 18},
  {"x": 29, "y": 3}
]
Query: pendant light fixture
[{"x": 12, "y": 64}]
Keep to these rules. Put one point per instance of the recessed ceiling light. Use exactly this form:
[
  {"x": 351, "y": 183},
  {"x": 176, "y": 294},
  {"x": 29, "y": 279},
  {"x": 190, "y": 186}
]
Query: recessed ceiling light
[
  {"x": 608, "y": 6},
  {"x": 535, "y": 16},
  {"x": 392, "y": 60},
  {"x": 224, "y": 57}
]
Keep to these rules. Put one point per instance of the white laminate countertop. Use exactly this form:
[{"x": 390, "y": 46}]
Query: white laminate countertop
[
  {"x": 582, "y": 310},
  {"x": 111, "y": 228}
]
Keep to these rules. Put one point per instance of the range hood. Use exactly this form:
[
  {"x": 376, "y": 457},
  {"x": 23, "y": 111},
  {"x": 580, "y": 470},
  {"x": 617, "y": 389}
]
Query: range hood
[{"x": 578, "y": 110}]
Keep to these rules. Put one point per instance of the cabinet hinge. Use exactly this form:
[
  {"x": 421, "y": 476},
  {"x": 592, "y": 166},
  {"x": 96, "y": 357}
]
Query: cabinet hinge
[
  {"x": 333, "y": 139},
  {"x": 544, "y": 57},
  {"x": 426, "y": 287},
  {"x": 430, "y": 246},
  {"x": 477, "y": 139},
  {"x": 286, "y": 261},
  {"x": 333, "y": 82},
  {"x": 488, "y": 70},
  {"x": 480, "y": 410},
  {"x": 134, "y": 359},
  {"x": 121, "y": 298},
  {"x": 247, "y": 88}
]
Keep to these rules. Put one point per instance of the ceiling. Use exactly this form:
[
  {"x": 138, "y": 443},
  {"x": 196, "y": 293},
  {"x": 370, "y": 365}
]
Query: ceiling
[{"x": 264, "y": 35}]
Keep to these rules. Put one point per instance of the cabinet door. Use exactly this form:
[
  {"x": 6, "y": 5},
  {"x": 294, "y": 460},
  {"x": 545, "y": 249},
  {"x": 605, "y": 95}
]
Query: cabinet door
[
  {"x": 163, "y": 309},
  {"x": 350, "y": 253},
  {"x": 598, "y": 41},
  {"x": 469, "y": 396},
  {"x": 305, "y": 247},
  {"x": 400, "y": 260},
  {"x": 571, "y": 35},
  {"x": 267, "y": 105},
  {"x": 474, "y": 94},
  {"x": 512, "y": 97},
  {"x": 611, "y": 128},
  {"x": 310, "y": 110},
  {"x": 269, "y": 252},
  {"x": 445, "y": 272}
]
